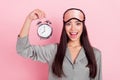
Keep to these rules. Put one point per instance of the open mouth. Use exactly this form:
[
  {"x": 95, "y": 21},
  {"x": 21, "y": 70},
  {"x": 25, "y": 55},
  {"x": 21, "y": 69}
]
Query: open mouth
[{"x": 73, "y": 34}]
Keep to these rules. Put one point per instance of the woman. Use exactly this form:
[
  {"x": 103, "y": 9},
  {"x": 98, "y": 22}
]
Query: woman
[{"x": 73, "y": 58}]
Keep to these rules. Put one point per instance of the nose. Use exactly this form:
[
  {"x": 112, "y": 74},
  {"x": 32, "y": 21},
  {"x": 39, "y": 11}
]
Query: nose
[{"x": 72, "y": 27}]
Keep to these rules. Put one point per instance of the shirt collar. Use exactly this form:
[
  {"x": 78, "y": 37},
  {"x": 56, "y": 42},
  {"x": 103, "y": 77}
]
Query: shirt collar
[{"x": 80, "y": 56}]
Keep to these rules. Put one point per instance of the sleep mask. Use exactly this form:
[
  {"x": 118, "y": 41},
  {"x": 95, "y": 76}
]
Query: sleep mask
[{"x": 73, "y": 13}]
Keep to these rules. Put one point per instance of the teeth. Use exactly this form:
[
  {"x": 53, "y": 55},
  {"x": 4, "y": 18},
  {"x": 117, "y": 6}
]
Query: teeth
[{"x": 73, "y": 33}]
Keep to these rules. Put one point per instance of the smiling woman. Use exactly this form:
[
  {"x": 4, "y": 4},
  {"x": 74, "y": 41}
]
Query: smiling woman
[
  {"x": 74, "y": 29},
  {"x": 73, "y": 58}
]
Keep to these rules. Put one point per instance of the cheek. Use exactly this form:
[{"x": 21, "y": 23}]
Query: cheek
[
  {"x": 80, "y": 29},
  {"x": 67, "y": 29}
]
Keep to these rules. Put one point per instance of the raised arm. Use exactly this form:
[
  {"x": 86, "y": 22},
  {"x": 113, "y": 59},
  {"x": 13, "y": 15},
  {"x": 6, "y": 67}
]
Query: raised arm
[
  {"x": 35, "y": 52},
  {"x": 35, "y": 14}
]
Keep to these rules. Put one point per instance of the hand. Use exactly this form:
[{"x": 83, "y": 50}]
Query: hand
[{"x": 36, "y": 14}]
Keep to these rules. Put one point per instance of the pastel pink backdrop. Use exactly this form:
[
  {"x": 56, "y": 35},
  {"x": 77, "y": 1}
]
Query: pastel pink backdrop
[{"x": 103, "y": 25}]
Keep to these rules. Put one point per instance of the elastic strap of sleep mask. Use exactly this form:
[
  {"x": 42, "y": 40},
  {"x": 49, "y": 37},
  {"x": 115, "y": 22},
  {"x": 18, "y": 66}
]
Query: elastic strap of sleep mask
[{"x": 73, "y": 18}]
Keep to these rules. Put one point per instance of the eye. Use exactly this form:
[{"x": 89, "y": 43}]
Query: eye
[
  {"x": 67, "y": 24},
  {"x": 78, "y": 23}
]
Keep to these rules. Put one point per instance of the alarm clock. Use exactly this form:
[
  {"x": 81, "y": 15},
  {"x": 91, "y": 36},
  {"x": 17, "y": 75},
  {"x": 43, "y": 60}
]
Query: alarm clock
[{"x": 44, "y": 30}]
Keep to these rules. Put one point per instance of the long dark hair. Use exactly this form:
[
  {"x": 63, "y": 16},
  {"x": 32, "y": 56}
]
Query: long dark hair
[{"x": 61, "y": 50}]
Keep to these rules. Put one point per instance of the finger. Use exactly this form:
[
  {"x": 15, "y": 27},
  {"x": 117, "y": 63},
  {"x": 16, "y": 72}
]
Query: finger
[
  {"x": 41, "y": 14},
  {"x": 44, "y": 15},
  {"x": 37, "y": 14}
]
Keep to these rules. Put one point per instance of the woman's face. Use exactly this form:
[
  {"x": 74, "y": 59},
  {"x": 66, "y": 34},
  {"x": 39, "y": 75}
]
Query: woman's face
[
  {"x": 73, "y": 24},
  {"x": 74, "y": 29}
]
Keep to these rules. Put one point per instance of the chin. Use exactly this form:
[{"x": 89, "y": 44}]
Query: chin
[{"x": 74, "y": 39}]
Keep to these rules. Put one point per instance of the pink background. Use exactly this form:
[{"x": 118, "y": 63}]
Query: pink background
[{"x": 103, "y": 25}]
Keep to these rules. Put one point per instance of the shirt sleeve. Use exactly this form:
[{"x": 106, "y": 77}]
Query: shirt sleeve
[
  {"x": 99, "y": 65},
  {"x": 35, "y": 52}
]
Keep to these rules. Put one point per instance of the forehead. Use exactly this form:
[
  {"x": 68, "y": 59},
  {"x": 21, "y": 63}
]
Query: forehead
[
  {"x": 73, "y": 14},
  {"x": 73, "y": 20}
]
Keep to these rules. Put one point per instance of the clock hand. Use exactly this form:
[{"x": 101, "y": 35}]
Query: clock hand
[{"x": 43, "y": 29}]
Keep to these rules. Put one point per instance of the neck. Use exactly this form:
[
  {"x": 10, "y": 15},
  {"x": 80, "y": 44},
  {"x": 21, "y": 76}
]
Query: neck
[{"x": 74, "y": 44}]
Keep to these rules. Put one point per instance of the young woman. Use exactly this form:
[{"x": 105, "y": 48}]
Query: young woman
[{"x": 73, "y": 58}]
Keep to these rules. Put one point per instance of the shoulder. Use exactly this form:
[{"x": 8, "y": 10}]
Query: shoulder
[
  {"x": 97, "y": 53},
  {"x": 52, "y": 46},
  {"x": 49, "y": 50}
]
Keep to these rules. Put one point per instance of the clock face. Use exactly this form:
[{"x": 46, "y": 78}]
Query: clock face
[{"x": 44, "y": 31}]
